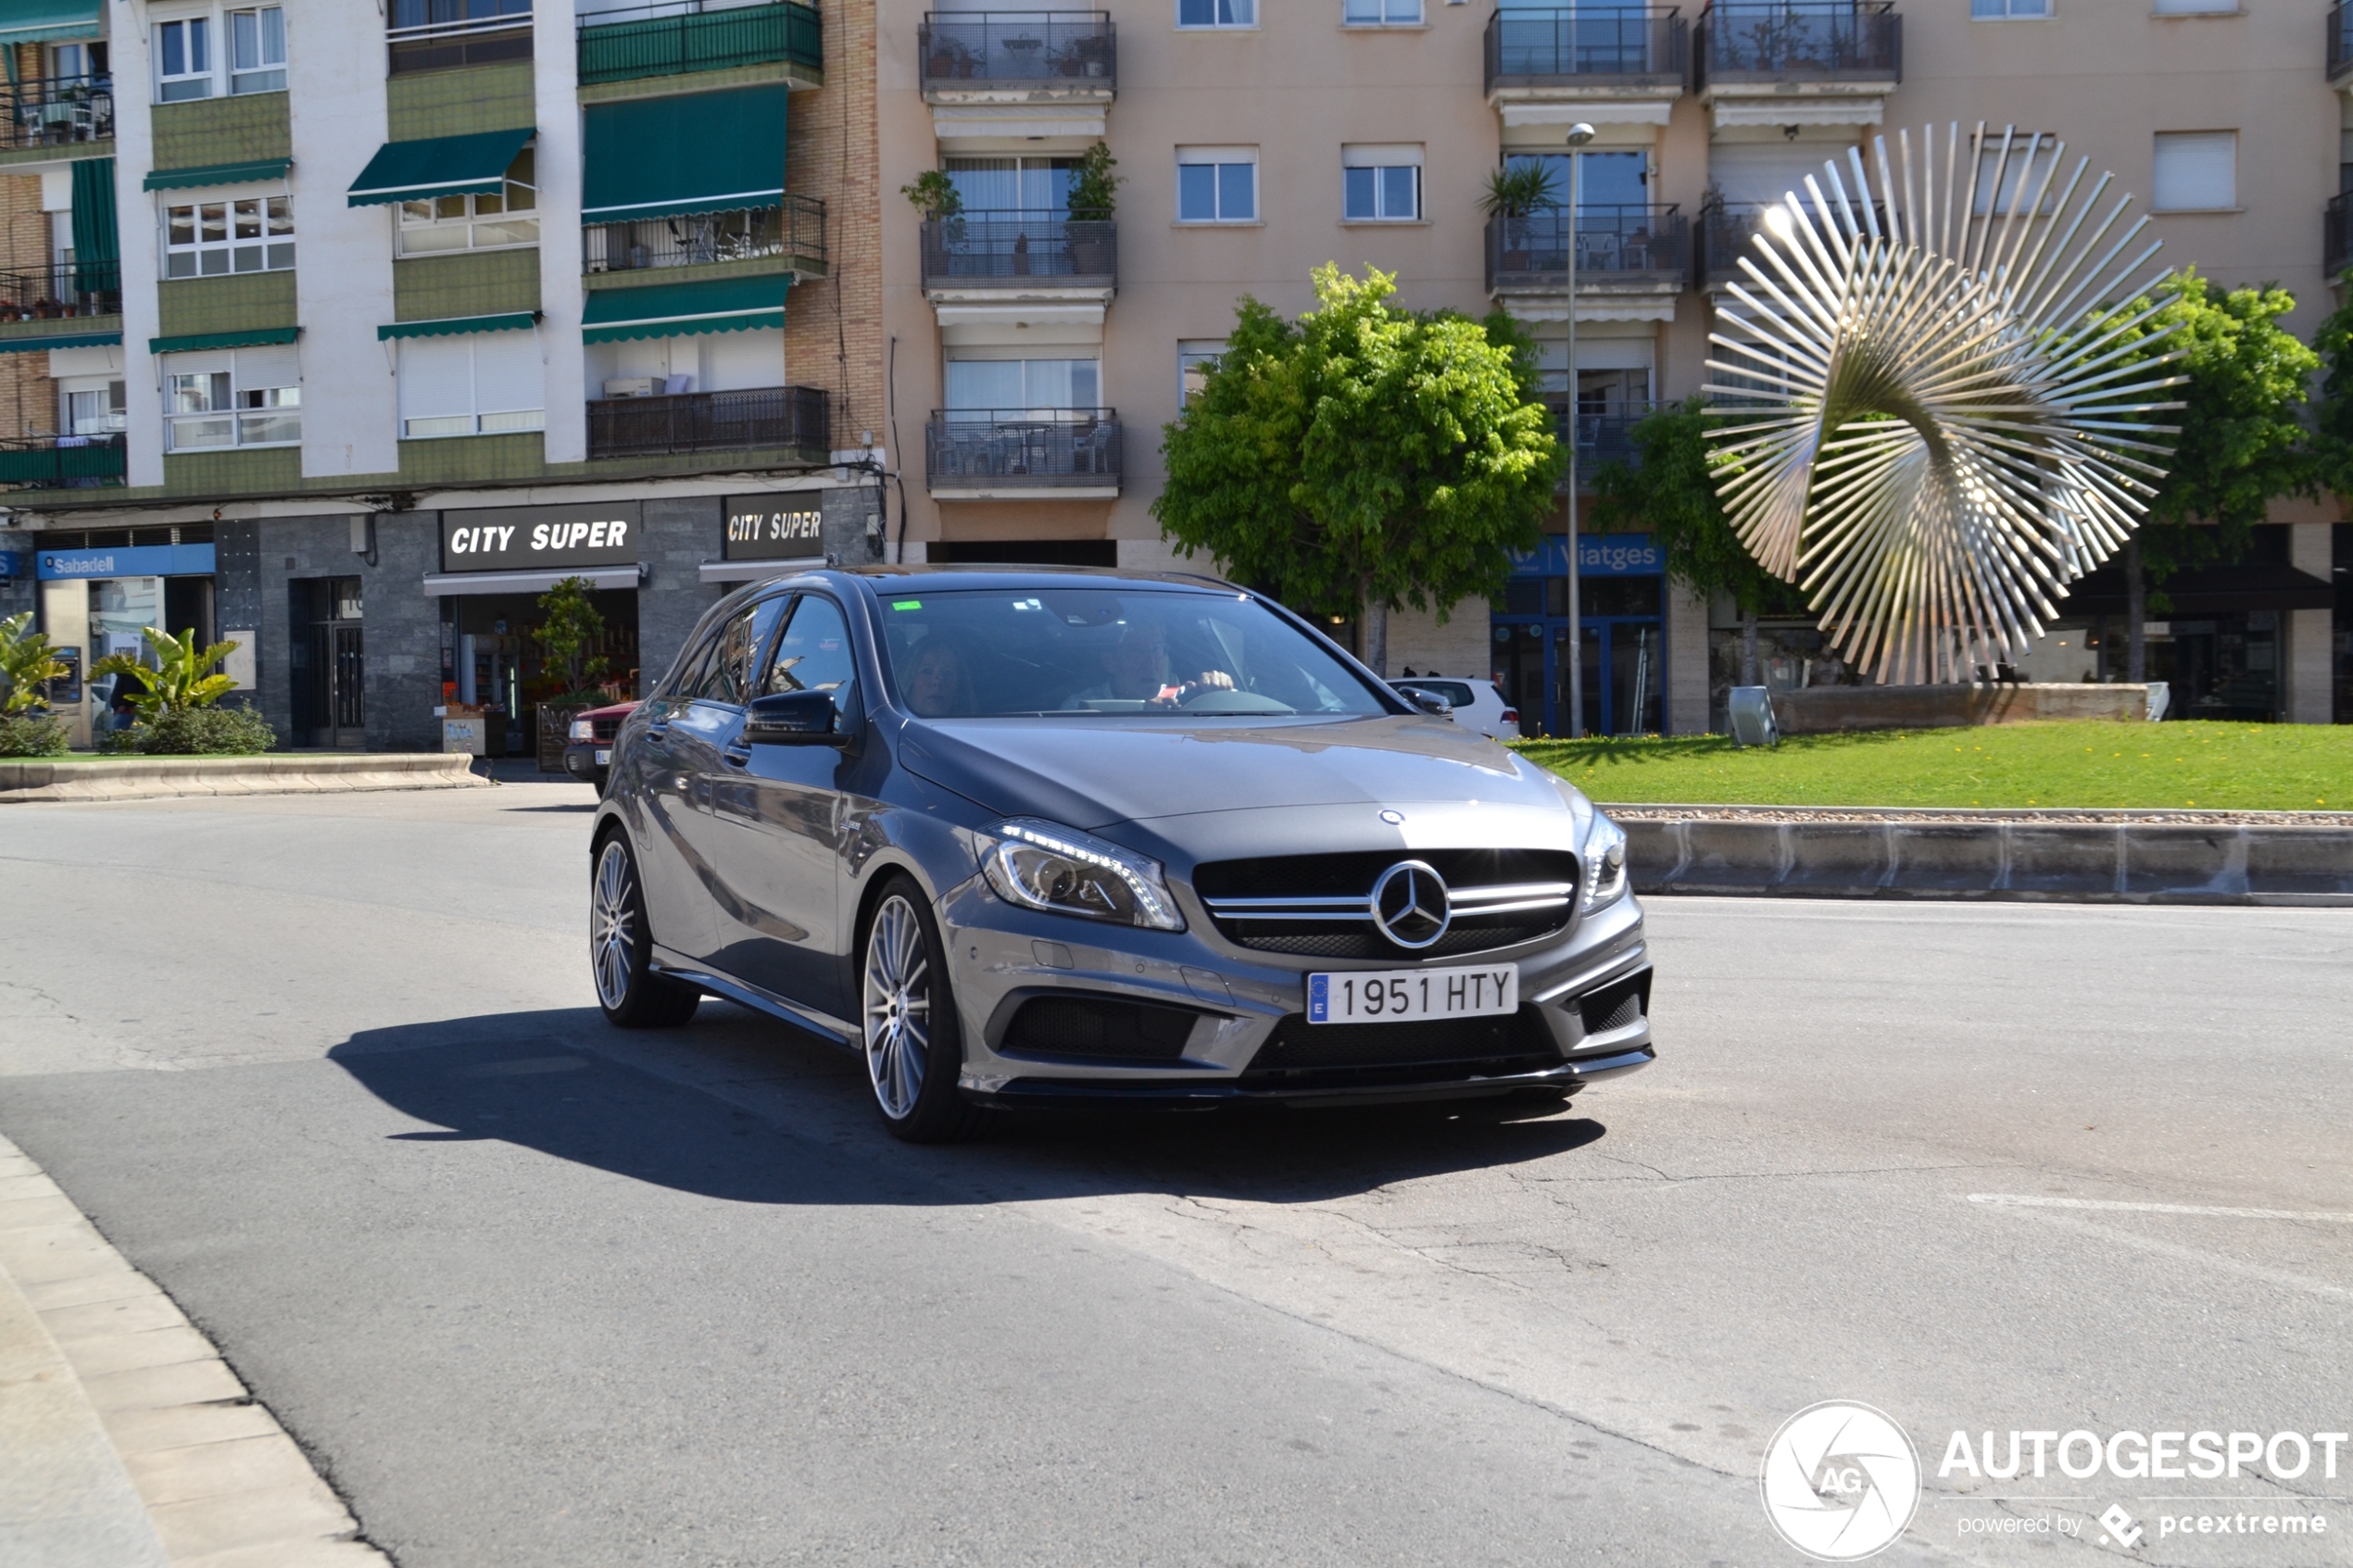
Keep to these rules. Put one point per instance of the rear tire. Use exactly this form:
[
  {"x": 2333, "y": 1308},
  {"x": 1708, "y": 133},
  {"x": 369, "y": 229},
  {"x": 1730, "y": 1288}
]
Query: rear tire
[
  {"x": 621, "y": 946},
  {"x": 913, "y": 1047}
]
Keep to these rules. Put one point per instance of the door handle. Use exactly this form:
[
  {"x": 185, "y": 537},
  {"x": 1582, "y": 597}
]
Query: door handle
[{"x": 737, "y": 756}]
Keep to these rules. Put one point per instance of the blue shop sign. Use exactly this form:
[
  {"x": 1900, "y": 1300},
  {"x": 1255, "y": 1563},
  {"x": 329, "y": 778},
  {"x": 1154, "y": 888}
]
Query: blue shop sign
[
  {"x": 11, "y": 564},
  {"x": 129, "y": 561},
  {"x": 1598, "y": 555}
]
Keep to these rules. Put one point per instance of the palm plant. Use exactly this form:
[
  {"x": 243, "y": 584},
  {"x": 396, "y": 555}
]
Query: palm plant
[
  {"x": 1519, "y": 190},
  {"x": 26, "y": 664},
  {"x": 182, "y": 680}
]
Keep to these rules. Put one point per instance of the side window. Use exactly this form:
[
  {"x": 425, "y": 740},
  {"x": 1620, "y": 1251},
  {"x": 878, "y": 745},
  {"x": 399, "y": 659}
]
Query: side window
[
  {"x": 727, "y": 670},
  {"x": 814, "y": 653}
]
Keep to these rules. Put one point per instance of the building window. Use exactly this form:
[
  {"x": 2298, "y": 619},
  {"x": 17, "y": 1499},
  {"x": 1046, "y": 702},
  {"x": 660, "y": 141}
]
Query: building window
[
  {"x": 2010, "y": 10},
  {"x": 1384, "y": 184},
  {"x": 231, "y": 398},
  {"x": 1011, "y": 184},
  {"x": 2031, "y": 161},
  {"x": 78, "y": 62},
  {"x": 2198, "y": 7},
  {"x": 184, "y": 61},
  {"x": 1195, "y": 358},
  {"x": 2196, "y": 171},
  {"x": 94, "y": 408},
  {"x": 211, "y": 239},
  {"x": 1216, "y": 184},
  {"x": 1216, "y": 13},
  {"x": 479, "y": 383},
  {"x": 1037, "y": 387},
  {"x": 257, "y": 50},
  {"x": 486, "y": 223},
  {"x": 1382, "y": 13}
]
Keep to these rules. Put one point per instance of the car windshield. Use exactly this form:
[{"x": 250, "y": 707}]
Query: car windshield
[{"x": 1086, "y": 652}]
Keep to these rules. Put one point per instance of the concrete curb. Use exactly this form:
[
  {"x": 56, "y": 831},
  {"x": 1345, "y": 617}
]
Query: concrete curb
[
  {"x": 157, "y": 778},
  {"x": 131, "y": 1444},
  {"x": 2129, "y": 859}
]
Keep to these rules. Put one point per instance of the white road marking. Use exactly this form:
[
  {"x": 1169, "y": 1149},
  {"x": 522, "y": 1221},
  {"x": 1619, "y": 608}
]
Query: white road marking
[{"x": 2015, "y": 1200}]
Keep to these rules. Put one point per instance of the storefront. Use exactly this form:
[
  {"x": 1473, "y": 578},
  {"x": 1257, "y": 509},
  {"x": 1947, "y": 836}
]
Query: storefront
[
  {"x": 769, "y": 536},
  {"x": 1622, "y": 584},
  {"x": 100, "y": 600},
  {"x": 495, "y": 564}
]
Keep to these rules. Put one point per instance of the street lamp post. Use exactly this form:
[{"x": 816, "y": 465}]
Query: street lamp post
[{"x": 1578, "y": 134}]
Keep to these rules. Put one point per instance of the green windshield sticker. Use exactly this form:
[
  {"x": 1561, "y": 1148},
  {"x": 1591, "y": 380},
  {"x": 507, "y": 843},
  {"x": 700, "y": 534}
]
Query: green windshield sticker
[{"x": 906, "y": 603}]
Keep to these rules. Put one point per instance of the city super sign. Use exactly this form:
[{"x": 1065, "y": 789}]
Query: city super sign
[{"x": 539, "y": 538}]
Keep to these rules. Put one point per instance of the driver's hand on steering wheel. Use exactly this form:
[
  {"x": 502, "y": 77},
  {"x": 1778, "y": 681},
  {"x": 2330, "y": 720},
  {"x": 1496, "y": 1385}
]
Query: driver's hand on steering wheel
[{"x": 1208, "y": 680}]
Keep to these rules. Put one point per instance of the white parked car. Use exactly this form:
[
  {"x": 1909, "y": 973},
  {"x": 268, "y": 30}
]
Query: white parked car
[{"x": 1477, "y": 705}]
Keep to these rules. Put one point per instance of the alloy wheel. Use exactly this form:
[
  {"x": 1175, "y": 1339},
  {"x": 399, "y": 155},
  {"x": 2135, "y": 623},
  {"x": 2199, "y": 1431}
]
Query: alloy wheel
[
  {"x": 898, "y": 997},
  {"x": 612, "y": 924}
]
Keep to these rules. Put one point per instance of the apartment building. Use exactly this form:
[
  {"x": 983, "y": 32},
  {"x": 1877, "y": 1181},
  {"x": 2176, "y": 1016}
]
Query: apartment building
[
  {"x": 343, "y": 334},
  {"x": 1036, "y": 353}
]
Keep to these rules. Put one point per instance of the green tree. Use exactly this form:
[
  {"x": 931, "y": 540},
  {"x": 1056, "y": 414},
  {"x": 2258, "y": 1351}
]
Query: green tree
[
  {"x": 2243, "y": 441},
  {"x": 26, "y": 664},
  {"x": 572, "y": 624},
  {"x": 1669, "y": 493},
  {"x": 1363, "y": 458},
  {"x": 182, "y": 680}
]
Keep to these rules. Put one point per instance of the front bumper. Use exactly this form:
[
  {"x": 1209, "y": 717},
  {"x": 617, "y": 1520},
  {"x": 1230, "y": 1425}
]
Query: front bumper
[
  {"x": 580, "y": 761},
  {"x": 1584, "y": 1016}
]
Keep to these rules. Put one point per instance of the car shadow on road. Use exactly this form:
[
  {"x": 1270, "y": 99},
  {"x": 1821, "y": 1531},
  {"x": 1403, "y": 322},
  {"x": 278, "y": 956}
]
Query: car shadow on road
[{"x": 737, "y": 1107}]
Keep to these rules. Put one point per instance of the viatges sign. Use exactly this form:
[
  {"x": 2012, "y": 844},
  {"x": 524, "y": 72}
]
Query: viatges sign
[
  {"x": 541, "y": 538},
  {"x": 786, "y": 527}
]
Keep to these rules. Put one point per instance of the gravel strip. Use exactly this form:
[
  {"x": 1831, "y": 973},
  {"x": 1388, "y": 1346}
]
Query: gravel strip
[{"x": 1658, "y": 813}]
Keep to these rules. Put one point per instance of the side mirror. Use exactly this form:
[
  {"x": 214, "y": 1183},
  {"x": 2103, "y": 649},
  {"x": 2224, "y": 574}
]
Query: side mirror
[
  {"x": 1429, "y": 702},
  {"x": 794, "y": 719}
]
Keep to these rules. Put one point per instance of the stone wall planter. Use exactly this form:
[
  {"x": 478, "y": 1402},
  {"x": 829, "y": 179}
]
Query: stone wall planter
[{"x": 152, "y": 778}]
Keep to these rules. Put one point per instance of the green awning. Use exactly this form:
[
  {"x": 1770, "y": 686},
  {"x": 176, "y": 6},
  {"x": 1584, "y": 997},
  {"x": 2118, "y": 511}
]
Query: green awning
[
  {"x": 696, "y": 151},
  {"x": 450, "y": 326},
  {"x": 65, "y": 340},
  {"x": 252, "y": 338},
  {"x": 216, "y": 174},
  {"x": 442, "y": 166},
  {"x": 35, "y": 21},
  {"x": 724, "y": 305}
]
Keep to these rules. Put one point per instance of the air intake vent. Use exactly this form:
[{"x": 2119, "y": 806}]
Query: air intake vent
[{"x": 1105, "y": 1028}]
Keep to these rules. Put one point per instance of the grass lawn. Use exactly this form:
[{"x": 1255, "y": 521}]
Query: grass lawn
[{"x": 2217, "y": 766}]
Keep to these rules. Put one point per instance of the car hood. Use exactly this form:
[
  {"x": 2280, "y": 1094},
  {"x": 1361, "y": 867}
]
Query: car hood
[{"x": 1092, "y": 773}]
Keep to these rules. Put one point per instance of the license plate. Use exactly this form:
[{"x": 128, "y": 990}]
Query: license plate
[
  {"x": 1404, "y": 995},
  {"x": 604, "y": 757}
]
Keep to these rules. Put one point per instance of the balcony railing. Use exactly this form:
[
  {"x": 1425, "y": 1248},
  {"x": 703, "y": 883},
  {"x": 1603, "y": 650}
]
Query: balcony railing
[
  {"x": 674, "y": 37},
  {"x": 1614, "y": 244},
  {"x": 711, "y": 421},
  {"x": 1048, "y": 449},
  {"x": 1794, "y": 41},
  {"x": 1605, "y": 429},
  {"x": 444, "y": 34},
  {"x": 1727, "y": 232},
  {"x": 56, "y": 112},
  {"x": 1016, "y": 249},
  {"x": 2337, "y": 236},
  {"x": 61, "y": 462},
  {"x": 2340, "y": 40},
  {"x": 796, "y": 229},
  {"x": 1076, "y": 50},
  {"x": 1627, "y": 47},
  {"x": 65, "y": 288}
]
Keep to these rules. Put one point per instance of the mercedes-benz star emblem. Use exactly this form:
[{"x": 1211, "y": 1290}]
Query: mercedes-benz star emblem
[{"x": 1410, "y": 905}]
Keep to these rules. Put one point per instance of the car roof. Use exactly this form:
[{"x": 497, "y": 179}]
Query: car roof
[{"x": 980, "y": 575}]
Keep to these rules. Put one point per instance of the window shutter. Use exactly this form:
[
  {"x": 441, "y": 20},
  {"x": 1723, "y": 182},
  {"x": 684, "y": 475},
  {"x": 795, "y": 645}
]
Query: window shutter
[
  {"x": 437, "y": 378},
  {"x": 506, "y": 371},
  {"x": 269, "y": 364},
  {"x": 2195, "y": 171}
]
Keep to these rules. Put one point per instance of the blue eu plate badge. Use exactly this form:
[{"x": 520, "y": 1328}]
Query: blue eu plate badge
[{"x": 1319, "y": 999}]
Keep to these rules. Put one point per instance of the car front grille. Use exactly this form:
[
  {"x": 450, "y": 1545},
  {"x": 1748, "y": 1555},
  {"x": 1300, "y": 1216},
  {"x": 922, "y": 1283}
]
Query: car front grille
[
  {"x": 1433, "y": 1048},
  {"x": 606, "y": 729},
  {"x": 1320, "y": 906}
]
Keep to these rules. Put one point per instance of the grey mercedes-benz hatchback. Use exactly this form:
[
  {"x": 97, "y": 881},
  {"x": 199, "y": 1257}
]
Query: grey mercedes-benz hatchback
[{"x": 1029, "y": 836}]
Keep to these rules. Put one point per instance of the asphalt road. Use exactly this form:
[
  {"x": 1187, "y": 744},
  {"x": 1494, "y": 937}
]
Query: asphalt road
[{"x": 535, "y": 1292}]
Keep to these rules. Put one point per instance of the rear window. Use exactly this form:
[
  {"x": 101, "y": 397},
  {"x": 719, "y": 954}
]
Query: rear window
[{"x": 1457, "y": 692}]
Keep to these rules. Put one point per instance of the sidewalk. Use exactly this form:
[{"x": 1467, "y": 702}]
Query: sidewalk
[{"x": 127, "y": 1441}]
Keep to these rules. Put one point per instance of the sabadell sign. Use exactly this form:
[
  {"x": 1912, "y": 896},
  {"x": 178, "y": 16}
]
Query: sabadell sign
[{"x": 540, "y": 538}]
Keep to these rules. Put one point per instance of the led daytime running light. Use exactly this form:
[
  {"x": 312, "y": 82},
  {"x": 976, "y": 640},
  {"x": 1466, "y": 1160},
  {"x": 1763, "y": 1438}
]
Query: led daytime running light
[
  {"x": 1155, "y": 909},
  {"x": 1604, "y": 862}
]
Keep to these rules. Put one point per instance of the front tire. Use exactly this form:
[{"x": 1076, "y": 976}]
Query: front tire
[
  {"x": 621, "y": 946},
  {"x": 913, "y": 1047}
]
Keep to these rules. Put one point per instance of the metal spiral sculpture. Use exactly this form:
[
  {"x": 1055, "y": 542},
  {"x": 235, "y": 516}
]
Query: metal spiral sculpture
[{"x": 1948, "y": 409}]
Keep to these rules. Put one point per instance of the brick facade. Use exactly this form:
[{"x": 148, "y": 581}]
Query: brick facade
[
  {"x": 27, "y": 398},
  {"x": 832, "y": 327}
]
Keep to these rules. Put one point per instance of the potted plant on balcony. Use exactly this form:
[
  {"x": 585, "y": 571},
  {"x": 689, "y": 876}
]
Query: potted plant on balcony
[
  {"x": 1094, "y": 196},
  {"x": 1515, "y": 194}
]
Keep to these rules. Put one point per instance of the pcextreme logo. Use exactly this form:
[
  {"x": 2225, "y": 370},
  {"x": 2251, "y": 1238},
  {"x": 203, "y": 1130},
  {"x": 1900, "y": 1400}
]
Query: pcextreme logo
[{"x": 1841, "y": 1481}]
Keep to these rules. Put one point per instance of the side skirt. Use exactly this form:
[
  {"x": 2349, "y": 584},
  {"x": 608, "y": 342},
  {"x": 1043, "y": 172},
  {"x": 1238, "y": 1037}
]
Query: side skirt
[{"x": 676, "y": 966}]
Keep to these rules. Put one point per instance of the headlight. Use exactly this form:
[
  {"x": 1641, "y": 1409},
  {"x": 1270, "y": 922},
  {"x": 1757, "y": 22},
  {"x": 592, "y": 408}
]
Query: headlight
[
  {"x": 583, "y": 729},
  {"x": 1604, "y": 862},
  {"x": 1040, "y": 866}
]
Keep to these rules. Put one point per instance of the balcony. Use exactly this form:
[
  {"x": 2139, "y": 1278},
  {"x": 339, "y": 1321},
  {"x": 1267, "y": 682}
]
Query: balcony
[
  {"x": 2340, "y": 46},
  {"x": 61, "y": 306},
  {"x": 1799, "y": 62},
  {"x": 1604, "y": 432},
  {"x": 793, "y": 233},
  {"x": 61, "y": 462},
  {"x": 56, "y": 112},
  {"x": 444, "y": 34},
  {"x": 2336, "y": 237},
  {"x": 1572, "y": 56},
  {"x": 1010, "y": 453},
  {"x": 1632, "y": 262},
  {"x": 1727, "y": 232},
  {"x": 1018, "y": 56},
  {"x": 993, "y": 260},
  {"x": 678, "y": 37},
  {"x": 797, "y": 417}
]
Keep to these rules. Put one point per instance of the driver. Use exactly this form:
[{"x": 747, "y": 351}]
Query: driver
[
  {"x": 1136, "y": 669},
  {"x": 939, "y": 686}
]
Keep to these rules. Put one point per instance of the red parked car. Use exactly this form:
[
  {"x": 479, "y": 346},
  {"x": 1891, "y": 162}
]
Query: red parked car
[{"x": 589, "y": 749}]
